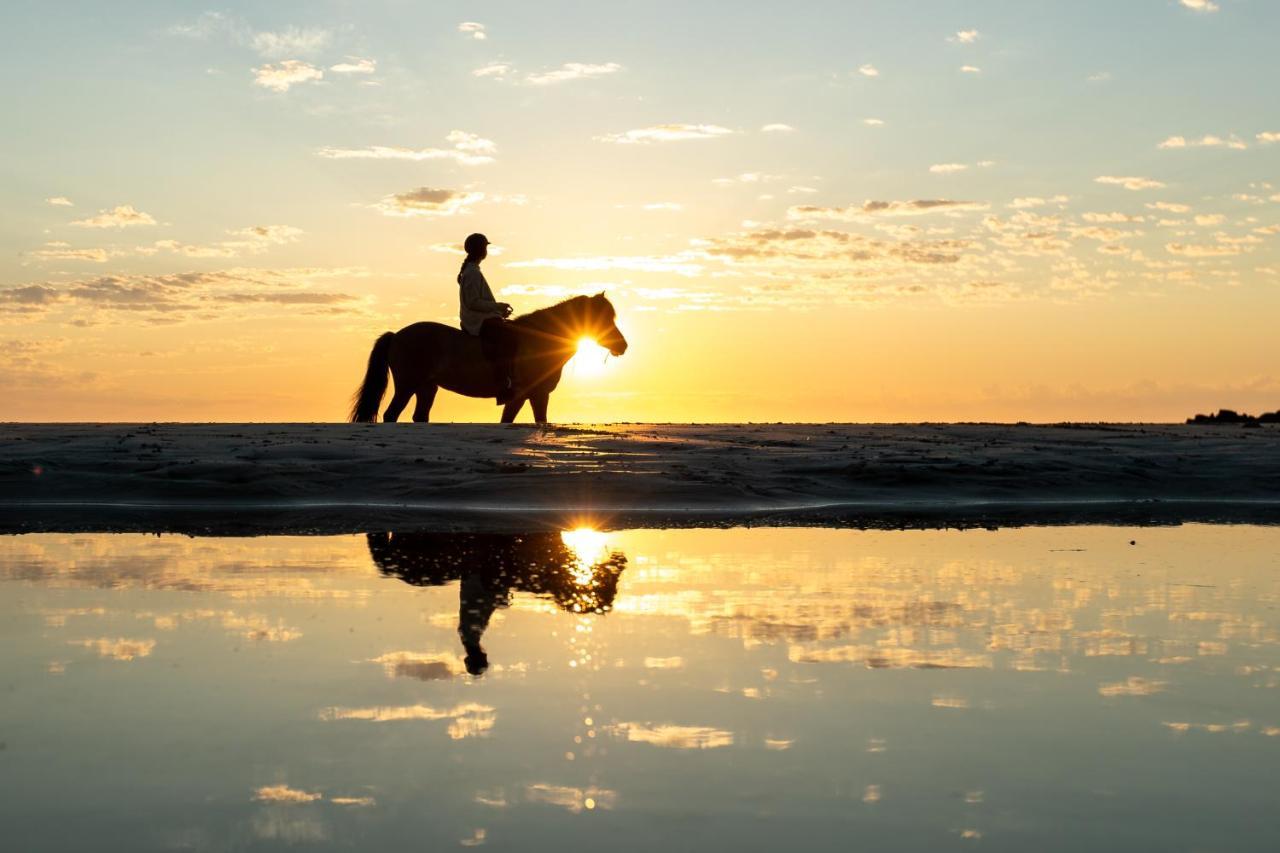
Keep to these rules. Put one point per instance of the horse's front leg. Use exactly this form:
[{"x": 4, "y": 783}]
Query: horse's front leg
[
  {"x": 512, "y": 409},
  {"x": 538, "y": 402}
]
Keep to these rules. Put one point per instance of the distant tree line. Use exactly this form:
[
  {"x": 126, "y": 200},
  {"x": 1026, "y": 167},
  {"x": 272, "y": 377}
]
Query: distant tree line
[{"x": 1228, "y": 416}]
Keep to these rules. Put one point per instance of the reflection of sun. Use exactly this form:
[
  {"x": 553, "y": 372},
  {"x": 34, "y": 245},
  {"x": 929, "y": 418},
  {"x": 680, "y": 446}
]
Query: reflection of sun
[
  {"x": 588, "y": 547},
  {"x": 589, "y": 358}
]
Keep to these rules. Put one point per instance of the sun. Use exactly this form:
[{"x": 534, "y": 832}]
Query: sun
[{"x": 589, "y": 358}]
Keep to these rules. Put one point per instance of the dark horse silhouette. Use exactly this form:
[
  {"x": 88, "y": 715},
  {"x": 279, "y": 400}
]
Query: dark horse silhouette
[
  {"x": 490, "y": 566},
  {"x": 425, "y": 357}
]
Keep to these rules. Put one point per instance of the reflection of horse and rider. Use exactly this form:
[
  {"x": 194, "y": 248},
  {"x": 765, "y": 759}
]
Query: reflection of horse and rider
[
  {"x": 492, "y": 566},
  {"x": 512, "y": 361}
]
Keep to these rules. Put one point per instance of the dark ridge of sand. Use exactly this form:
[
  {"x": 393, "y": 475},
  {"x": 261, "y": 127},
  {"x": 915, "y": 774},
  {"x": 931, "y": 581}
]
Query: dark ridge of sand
[{"x": 270, "y": 478}]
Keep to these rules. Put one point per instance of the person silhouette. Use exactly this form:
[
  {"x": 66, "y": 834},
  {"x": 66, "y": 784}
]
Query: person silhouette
[{"x": 480, "y": 314}]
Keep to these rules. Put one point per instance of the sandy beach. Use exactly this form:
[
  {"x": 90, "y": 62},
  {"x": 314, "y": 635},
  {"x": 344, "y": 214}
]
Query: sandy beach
[{"x": 327, "y": 477}]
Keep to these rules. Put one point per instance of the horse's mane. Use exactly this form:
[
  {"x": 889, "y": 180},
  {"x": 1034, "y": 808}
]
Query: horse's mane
[{"x": 534, "y": 319}]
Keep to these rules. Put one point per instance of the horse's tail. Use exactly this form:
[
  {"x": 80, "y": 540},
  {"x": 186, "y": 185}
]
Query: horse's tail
[{"x": 365, "y": 402}]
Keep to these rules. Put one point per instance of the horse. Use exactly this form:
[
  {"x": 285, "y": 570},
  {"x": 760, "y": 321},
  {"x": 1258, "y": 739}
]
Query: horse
[{"x": 425, "y": 357}]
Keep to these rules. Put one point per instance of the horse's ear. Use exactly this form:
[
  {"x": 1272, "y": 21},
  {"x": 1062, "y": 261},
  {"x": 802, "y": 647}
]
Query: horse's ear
[{"x": 600, "y": 295}]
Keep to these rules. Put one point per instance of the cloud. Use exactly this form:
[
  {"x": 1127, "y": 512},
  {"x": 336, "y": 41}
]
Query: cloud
[
  {"x": 252, "y": 240},
  {"x": 1268, "y": 136},
  {"x": 665, "y": 133},
  {"x": 873, "y": 122},
  {"x": 1109, "y": 218},
  {"x": 778, "y": 128},
  {"x": 1206, "y": 141},
  {"x": 868, "y": 70},
  {"x": 469, "y": 719},
  {"x": 473, "y": 29},
  {"x": 1168, "y": 206},
  {"x": 59, "y": 201},
  {"x": 291, "y": 41},
  {"x": 746, "y": 178},
  {"x": 1028, "y": 202},
  {"x": 571, "y": 799},
  {"x": 468, "y": 149},
  {"x": 122, "y": 216},
  {"x": 673, "y": 737},
  {"x": 964, "y": 37},
  {"x": 291, "y": 72},
  {"x": 1200, "y": 5},
  {"x": 355, "y": 65},
  {"x": 662, "y": 205},
  {"x": 59, "y": 251},
  {"x": 948, "y": 168},
  {"x": 681, "y": 264},
  {"x": 208, "y": 24},
  {"x": 1129, "y": 183},
  {"x": 572, "y": 71},
  {"x": 873, "y": 209},
  {"x": 173, "y": 297},
  {"x": 970, "y": 69},
  {"x": 118, "y": 648},
  {"x": 426, "y": 201},
  {"x": 1099, "y": 77},
  {"x": 494, "y": 69},
  {"x": 283, "y": 794},
  {"x": 1194, "y": 251}
]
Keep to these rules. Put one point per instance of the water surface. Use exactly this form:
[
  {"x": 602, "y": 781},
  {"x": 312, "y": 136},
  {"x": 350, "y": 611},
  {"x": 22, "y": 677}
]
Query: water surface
[{"x": 1049, "y": 689}]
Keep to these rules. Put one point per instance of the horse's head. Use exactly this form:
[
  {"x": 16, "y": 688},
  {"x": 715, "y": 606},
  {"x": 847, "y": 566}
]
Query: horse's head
[{"x": 600, "y": 323}]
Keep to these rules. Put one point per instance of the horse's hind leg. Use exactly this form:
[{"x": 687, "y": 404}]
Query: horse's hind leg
[
  {"x": 399, "y": 400},
  {"x": 538, "y": 402},
  {"x": 422, "y": 409}
]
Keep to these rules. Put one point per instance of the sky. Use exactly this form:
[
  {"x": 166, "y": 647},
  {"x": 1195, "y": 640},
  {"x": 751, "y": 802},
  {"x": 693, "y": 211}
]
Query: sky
[{"x": 810, "y": 211}]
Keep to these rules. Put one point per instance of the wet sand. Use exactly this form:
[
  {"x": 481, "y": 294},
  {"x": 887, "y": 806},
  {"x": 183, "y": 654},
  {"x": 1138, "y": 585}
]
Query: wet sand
[{"x": 334, "y": 477}]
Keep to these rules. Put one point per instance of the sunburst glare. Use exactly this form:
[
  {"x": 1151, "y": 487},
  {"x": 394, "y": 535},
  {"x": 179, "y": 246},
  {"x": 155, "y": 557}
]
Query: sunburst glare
[{"x": 589, "y": 359}]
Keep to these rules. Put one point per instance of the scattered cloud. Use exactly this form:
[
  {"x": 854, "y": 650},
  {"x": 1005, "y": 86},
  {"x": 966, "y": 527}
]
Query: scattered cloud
[
  {"x": 1129, "y": 183},
  {"x": 746, "y": 178},
  {"x": 118, "y": 648},
  {"x": 1206, "y": 141},
  {"x": 468, "y": 150},
  {"x": 673, "y": 737},
  {"x": 873, "y": 122},
  {"x": 778, "y": 128},
  {"x": 680, "y": 264},
  {"x": 59, "y": 201},
  {"x": 964, "y": 37},
  {"x": 473, "y": 29},
  {"x": 121, "y": 216},
  {"x": 1168, "y": 206},
  {"x": 572, "y": 71},
  {"x": 355, "y": 65},
  {"x": 59, "y": 251},
  {"x": 493, "y": 69},
  {"x": 174, "y": 297},
  {"x": 468, "y": 719},
  {"x": 1099, "y": 77},
  {"x": 291, "y": 41},
  {"x": 970, "y": 69},
  {"x": 1200, "y": 5},
  {"x": 868, "y": 70},
  {"x": 665, "y": 133},
  {"x": 426, "y": 201},
  {"x": 571, "y": 799},
  {"x": 252, "y": 240},
  {"x": 1196, "y": 251},
  {"x": 283, "y": 794},
  {"x": 874, "y": 209},
  {"x": 948, "y": 168},
  {"x": 1028, "y": 202},
  {"x": 290, "y": 72},
  {"x": 1268, "y": 136}
]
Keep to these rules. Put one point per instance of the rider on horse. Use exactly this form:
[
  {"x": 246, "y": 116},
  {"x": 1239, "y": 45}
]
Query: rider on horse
[{"x": 480, "y": 314}]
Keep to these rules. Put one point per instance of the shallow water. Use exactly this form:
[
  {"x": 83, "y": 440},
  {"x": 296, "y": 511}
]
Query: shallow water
[{"x": 1030, "y": 689}]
